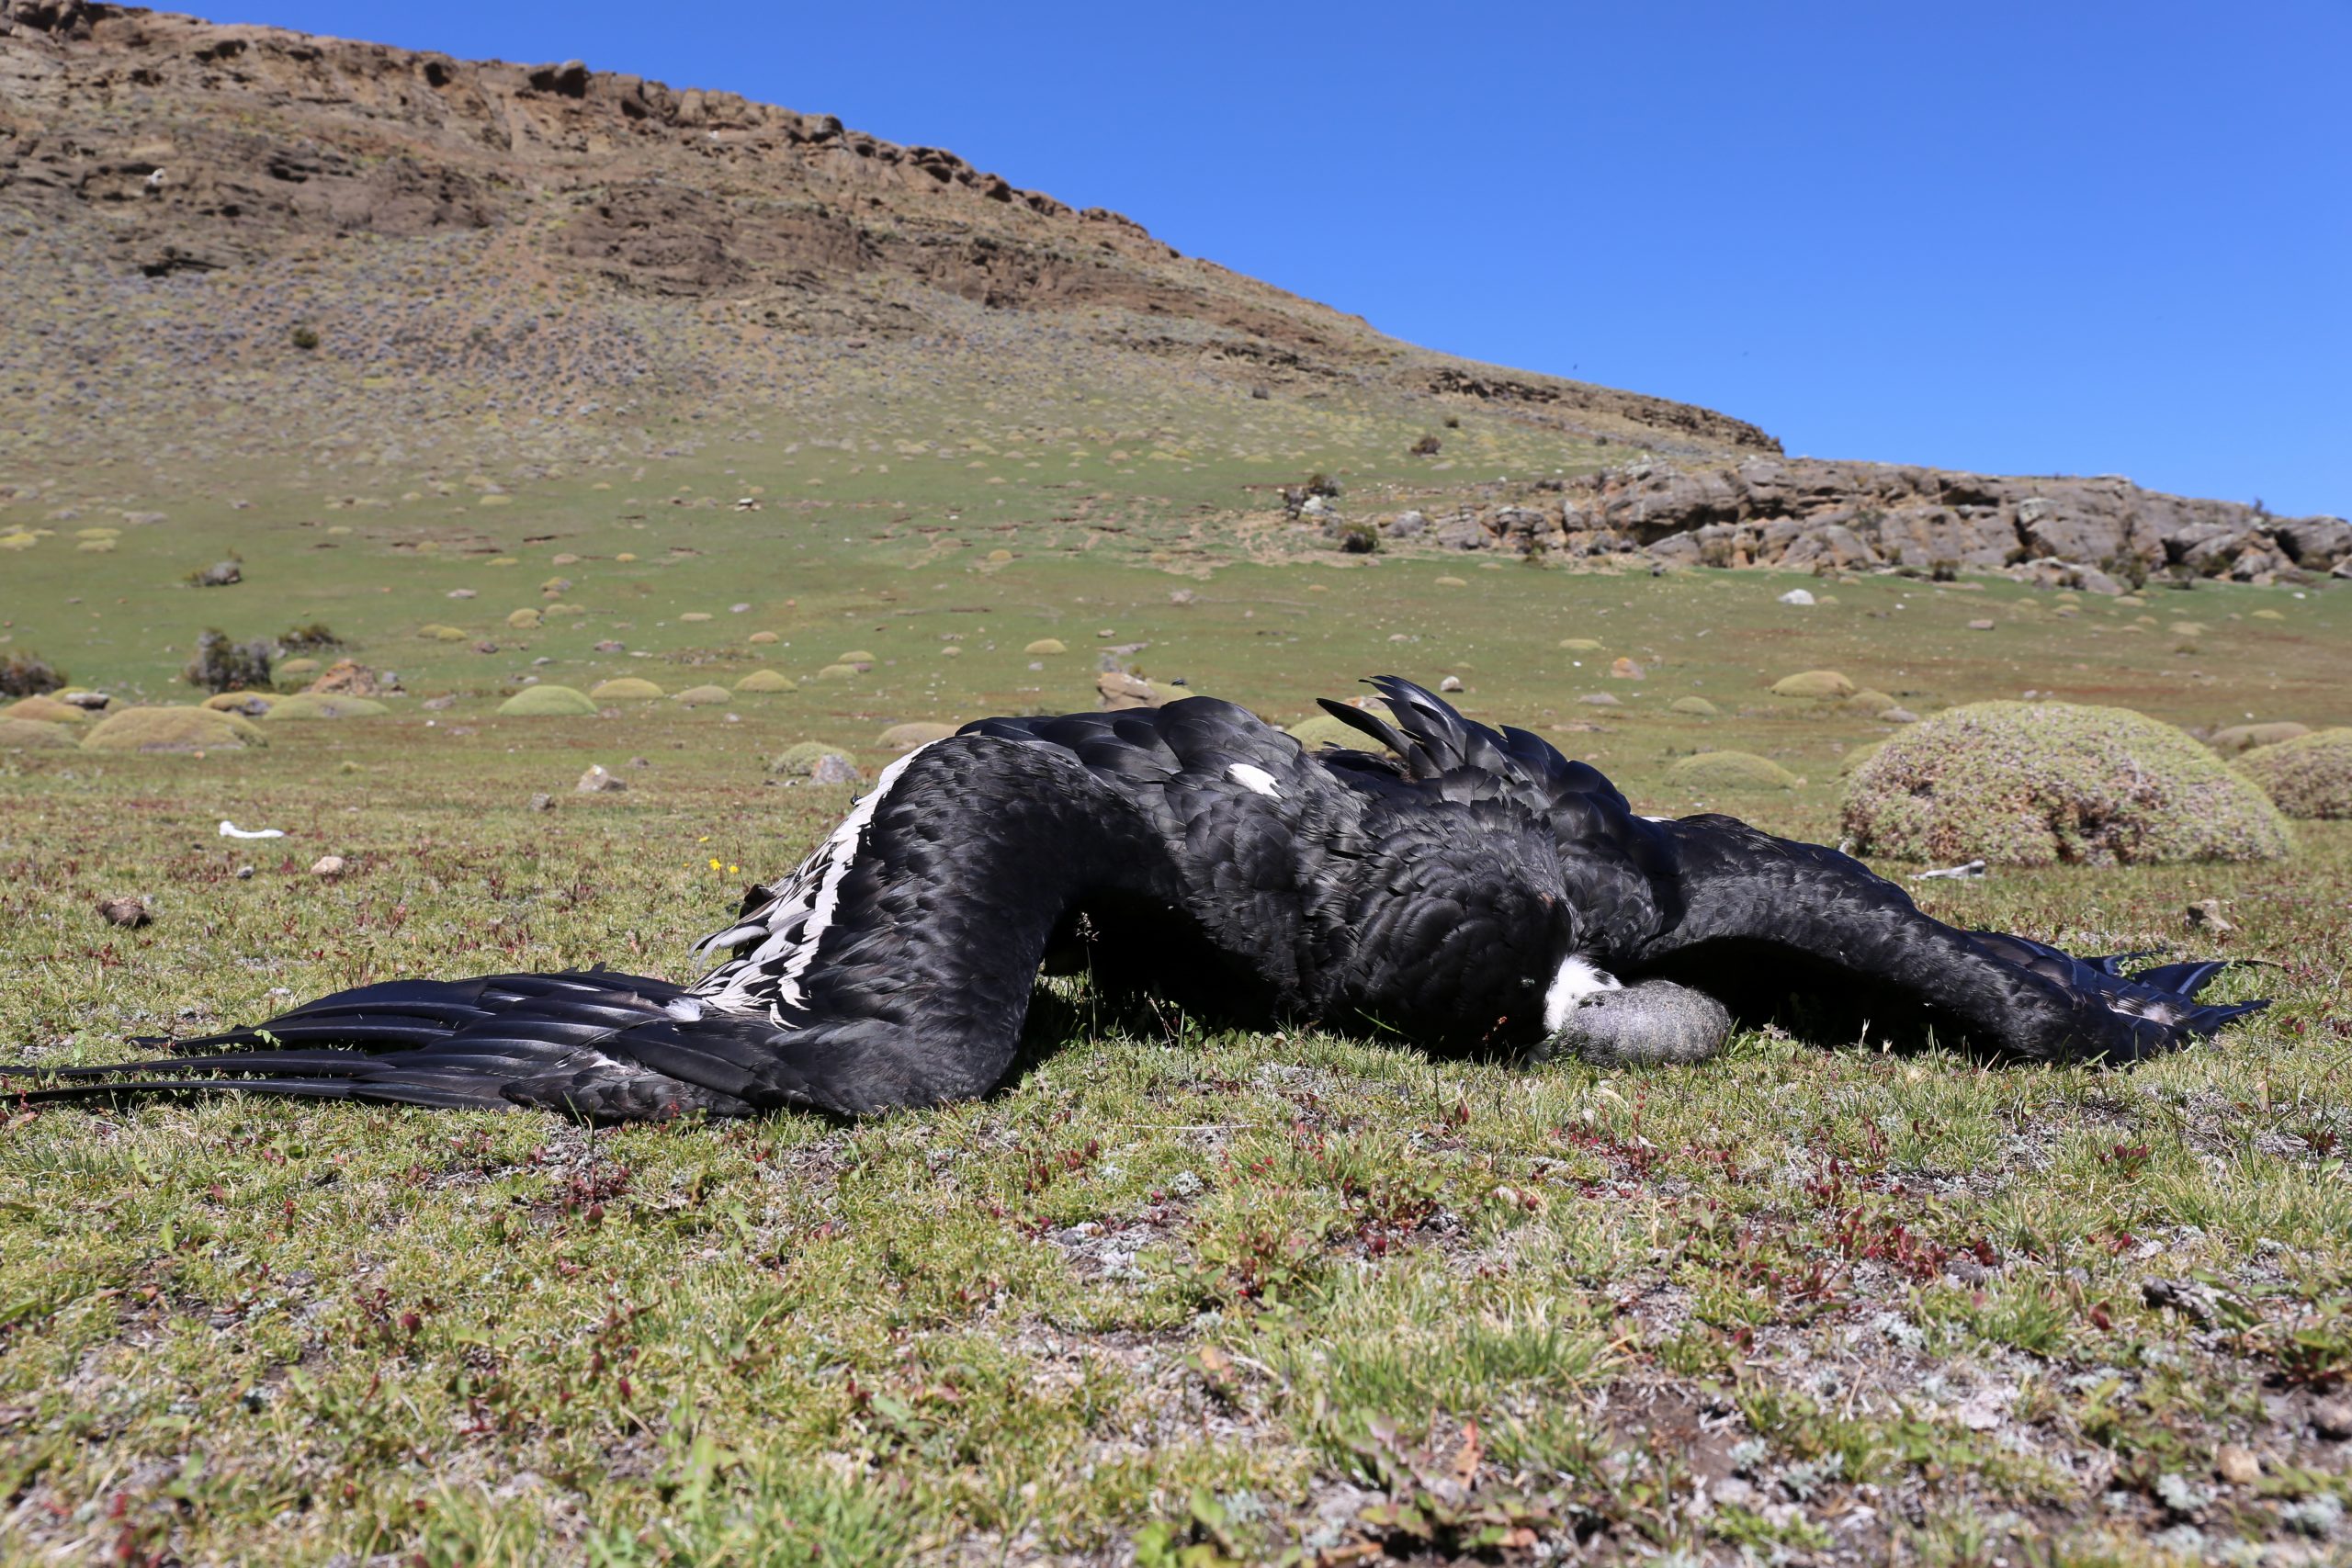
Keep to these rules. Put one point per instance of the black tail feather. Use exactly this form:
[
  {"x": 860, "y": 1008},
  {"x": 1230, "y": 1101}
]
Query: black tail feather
[{"x": 598, "y": 1042}]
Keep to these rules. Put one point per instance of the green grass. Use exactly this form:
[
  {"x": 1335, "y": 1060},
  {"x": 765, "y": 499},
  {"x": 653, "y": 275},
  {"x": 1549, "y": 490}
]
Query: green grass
[{"x": 1174, "y": 1290}]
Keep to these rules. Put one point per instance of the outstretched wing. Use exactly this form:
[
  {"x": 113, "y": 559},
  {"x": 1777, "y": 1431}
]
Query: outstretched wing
[
  {"x": 598, "y": 1043},
  {"x": 1758, "y": 918}
]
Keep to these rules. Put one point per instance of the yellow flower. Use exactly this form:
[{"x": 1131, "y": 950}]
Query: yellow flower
[{"x": 714, "y": 863}]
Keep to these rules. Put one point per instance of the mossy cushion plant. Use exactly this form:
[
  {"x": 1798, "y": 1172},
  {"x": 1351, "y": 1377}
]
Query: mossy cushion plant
[
  {"x": 2239, "y": 739},
  {"x": 305, "y": 705},
  {"x": 803, "y": 757},
  {"x": 27, "y": 734},
  {"x": 906, "y": 737},
  {"x": 1730, "y": 772},
  {"x": 766, "y": 681},
  {"x": 625, "y": 689},
  {"x": 174, "y": 729},
  {"x": 2036, "y": 784},
  {"x": 1818, "y": 685},
  {"x": 701, "y": 696},
  {"x": 549, "y": 702},
  {"x": 44, "y": 710},
  {"x": 2310, "y": 775}
]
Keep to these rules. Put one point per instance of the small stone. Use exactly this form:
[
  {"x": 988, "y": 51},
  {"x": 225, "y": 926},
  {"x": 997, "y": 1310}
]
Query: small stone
[
  {"x": 540, "y": 802},
  {"x": 1898, "y": 715},
  {"x": 128, "y": 912},
  {"x": 609, "y": 646},
  {"x": 1796, "y": 596},
  {"x": 2236, "y": 1465},
  {"x": 1451, "y": 684},
  {"x": 328, "y": 866},
  {"x": 461, "y": 593},
  {"x": 1980, "y": 625},
  {"x": 2205, "y": 915},
  {"x": 1627, "y": 670},
  {"x": 833, "y": 769},
  {"x": 1600, "y": 700},
  {"x": 599, "y": 780},
  {"x": 2332, "y": 1418},
  {"x": 245, "y": 874},
  {"x": 442, "y": 704}
]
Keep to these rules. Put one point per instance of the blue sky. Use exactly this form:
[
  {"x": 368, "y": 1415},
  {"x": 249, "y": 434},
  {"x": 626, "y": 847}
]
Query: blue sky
[{"x": 2077, "y": 238}]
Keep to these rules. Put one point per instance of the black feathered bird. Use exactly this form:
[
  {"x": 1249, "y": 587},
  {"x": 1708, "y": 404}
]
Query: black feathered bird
[{"x": 1460, "y": 888}]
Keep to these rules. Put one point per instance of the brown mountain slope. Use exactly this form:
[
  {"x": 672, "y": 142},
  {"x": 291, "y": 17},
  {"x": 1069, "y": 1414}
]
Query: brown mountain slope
[{"x": 667, "y": 240}]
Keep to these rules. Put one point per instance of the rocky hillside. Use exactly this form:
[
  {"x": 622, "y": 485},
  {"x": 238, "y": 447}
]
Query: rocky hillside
[
  {"x": 2101, "y": 534},
  {"x": 419, "y": 211}
]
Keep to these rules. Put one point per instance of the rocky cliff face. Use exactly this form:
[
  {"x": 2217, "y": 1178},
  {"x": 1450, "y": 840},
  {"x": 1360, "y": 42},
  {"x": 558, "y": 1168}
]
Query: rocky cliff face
[{"x": 2097, "y": 534}]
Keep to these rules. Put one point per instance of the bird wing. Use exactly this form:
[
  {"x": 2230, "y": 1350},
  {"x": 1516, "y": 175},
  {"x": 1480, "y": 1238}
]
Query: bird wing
[{"x": 1755, "y": 919}]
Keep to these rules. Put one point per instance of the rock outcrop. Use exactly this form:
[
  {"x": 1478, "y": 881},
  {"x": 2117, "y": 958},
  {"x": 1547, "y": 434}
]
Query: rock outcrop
[{"x": 2101, "y": 534}]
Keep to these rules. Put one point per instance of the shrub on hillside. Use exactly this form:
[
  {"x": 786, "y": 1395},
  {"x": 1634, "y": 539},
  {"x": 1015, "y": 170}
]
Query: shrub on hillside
[
  {"x": 313, "y": 636},
  {"x": 27, "y": 674},
  {"x": 2310, "y": 775},
  {"x": 221, "y": 665},
  {"x": 2036, "y": 784}
]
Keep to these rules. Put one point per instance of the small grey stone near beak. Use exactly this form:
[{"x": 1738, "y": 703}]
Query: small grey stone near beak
[{"x": 1649, "y": 1024}]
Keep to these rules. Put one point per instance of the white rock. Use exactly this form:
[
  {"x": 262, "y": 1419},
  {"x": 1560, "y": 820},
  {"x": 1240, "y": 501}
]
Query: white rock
[{"x": 1797, "y": 597}]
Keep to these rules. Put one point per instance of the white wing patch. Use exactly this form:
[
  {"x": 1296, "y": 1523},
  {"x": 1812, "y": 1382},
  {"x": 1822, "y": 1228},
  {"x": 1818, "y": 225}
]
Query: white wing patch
[
  {"x": 1255, "y": 779},
  {"x": 1576, "y": 979},
  {"x": 776, "y": 942}
]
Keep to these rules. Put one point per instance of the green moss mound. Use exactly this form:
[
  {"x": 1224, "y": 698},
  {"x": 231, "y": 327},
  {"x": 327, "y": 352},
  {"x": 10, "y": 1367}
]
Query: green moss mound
[
  {"x": 1816, "y": 685},
  {"x": 837, "y": 673},
  {"x": 1857, "y": 757},
  {"x": 855, "y": 656},
  {"x": 1697, "y": 707},
  {"x": 2239, "y": 738},
  {"x": 625, "y": 689},
  {"x": 1730, "y": 772},
  {"x": 765, "y": 681},
  {"x": 1870, "y": 701},
  {"x": 2308, "y": 775},
  {"x": 2036, "y": 784},
  {"x": 549, "y": 702},
  {"x": 1044, "y": 645},
  {"x": 295, "y": 669},
  {"x": 252, "y": 705},
  {"x": 523, "y": 620},
  {"x": 1324, "y": 730},
  {"x": 28, "y": 735},
  {"x": 907, "y": 737},
  {"x": 305, "y": 705},
  {"x": 1579, "y": 645},
  {"x": 802, "y": 758},
  {"x": 174, "y": 729},
  {"x": 435, "y": 631},
  {"x": 44, "y": 710},
  {"x": 701, "y": 696}
]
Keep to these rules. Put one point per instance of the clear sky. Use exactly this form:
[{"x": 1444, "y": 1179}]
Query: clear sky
[{"x": 2072, "y": 236}]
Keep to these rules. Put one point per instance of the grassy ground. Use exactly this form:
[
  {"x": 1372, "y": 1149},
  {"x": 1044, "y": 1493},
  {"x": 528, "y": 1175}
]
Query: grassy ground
[{"x": 1176, "y": 1296}]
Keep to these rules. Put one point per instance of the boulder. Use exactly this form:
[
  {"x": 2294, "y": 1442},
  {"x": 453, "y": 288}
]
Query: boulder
[
  {"x": 834, "y": 769},
  {"x": 1118, "y": 691},
  {"x": 346, "y": 677},
  {"x": 599, "y": 780},
  {"x": 2037, "y": 783}
]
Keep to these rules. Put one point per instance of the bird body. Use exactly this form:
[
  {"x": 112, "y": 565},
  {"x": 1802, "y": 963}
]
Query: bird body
[{"x": 1460, "y": 888}]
